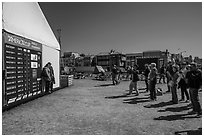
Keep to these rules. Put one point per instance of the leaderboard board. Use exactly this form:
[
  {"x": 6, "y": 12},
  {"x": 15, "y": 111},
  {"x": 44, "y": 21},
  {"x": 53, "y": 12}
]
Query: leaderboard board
[{"x": 22, "y": 68}]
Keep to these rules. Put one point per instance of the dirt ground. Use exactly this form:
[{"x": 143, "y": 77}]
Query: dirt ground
[{"x": 91, "y": 107}]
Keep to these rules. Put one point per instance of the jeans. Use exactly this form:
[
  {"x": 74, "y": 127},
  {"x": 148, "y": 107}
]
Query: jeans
[
  {"x": 174, "y": 93},
  {"x": 195, "y": 100},
  {"x": 152, "y": 90},
  {"x": 184, "y": 91}
]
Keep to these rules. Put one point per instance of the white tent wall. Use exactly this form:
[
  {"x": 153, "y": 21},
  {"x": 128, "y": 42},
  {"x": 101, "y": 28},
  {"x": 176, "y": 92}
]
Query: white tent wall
[
  {"x": 26, "y": 19},
  {"x": 52, "y": 55}
]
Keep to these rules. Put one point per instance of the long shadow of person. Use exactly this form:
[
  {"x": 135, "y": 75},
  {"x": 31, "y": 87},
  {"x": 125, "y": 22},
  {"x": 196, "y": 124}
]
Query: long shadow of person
[
  {"x": 176, "y": 117},
  {"x": 136, "y": 100},
  {"x": 176, "y": 109},
  {"x": 161, "y": 104},
  {"x": 119, "y": 96},
  {"x": 189, "y": 132}
]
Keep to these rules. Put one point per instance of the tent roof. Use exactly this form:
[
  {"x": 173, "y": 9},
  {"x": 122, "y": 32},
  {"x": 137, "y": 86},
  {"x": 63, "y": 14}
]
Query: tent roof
[{"x": 26, "y": 19}]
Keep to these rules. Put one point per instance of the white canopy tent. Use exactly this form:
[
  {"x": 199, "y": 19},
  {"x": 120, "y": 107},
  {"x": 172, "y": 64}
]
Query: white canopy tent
[{"x": 26, "y": 19}]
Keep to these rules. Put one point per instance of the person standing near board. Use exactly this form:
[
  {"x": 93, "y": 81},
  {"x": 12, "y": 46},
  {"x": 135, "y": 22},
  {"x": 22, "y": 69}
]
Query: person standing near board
[
  {"x": 52, "y": 76},
  {"x": 46, "y": 78}
]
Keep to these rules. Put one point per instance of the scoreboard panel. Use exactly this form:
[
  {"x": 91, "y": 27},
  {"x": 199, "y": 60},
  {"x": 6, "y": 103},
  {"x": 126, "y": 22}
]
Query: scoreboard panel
[{"x": 22, "y": 67}]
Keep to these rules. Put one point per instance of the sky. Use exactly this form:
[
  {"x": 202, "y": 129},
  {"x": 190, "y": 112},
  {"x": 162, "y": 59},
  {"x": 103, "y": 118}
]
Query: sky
[{"x": 128, "y": 27}]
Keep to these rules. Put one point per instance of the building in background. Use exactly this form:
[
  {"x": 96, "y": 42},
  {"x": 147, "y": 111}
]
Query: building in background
[
  {"x": 108, "y": 59},
  {"x": 131, "y": 58},
  {"x": 147, "y": 57},
  {"x": 68, "y": 59}
]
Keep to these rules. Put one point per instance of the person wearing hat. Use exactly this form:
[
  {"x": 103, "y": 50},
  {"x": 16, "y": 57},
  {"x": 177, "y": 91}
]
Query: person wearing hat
[
  {"x": 173, "y": 83},
  {"x": 152, "y": 81},
  {"x": 194, "y": 82},
  {"x": 135, "y": 78}
]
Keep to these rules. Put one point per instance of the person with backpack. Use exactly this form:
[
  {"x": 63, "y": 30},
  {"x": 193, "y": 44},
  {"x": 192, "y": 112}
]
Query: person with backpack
[
  {"x": 46, "y": 78},
  {"x": 194, "y": 83}
]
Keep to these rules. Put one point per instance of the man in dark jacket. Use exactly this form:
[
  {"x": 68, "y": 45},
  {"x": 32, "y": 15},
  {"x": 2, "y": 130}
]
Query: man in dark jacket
[
  {"x": 194, "y": 82},
  {"x": 46, "y": 78},
  {"x": 52, "y": 76}
]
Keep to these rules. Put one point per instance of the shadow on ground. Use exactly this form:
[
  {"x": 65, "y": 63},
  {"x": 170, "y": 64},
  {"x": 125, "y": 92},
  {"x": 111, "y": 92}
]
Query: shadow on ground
[
  {"x": 189, "y": 132},
  {"x": 136, "y": 100},
  {"x": 176, "y": 117},
  {"x": 161, "y": 104},
  {"x": 104, "y": 85},
  {"x": 176, "y": 109},
  {"x": 118, "y": 96}
]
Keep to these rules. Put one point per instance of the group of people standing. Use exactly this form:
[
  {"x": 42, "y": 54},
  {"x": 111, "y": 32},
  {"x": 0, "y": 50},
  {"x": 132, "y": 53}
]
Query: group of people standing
[
  {"x": 186, "y": 77},
  {"x": 48, "y": 78},
  {"x": 150, "y": 74}
]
